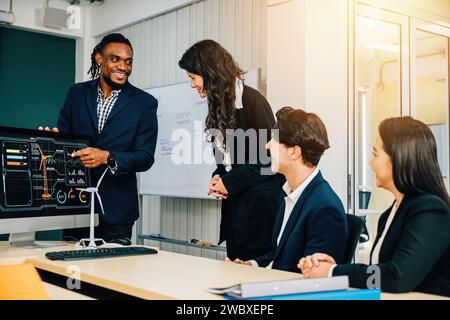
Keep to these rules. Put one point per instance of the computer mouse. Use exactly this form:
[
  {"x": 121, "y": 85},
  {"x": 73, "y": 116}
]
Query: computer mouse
[{"x": 122, "y": 241}]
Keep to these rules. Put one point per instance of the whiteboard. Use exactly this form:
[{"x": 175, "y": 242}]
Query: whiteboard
[{"x": 184, "y": 160}]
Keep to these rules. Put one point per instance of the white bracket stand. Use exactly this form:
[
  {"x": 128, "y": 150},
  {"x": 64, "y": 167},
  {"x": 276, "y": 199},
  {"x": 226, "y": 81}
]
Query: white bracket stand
[{"x": 92, "y": 241}]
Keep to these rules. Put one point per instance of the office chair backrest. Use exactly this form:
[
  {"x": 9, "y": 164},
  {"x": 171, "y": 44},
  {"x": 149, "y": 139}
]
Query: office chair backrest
[{"x": 355, "y": 226}]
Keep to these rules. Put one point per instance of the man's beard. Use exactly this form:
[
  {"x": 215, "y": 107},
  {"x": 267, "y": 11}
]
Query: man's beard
[{"x": 112, "y": 84}]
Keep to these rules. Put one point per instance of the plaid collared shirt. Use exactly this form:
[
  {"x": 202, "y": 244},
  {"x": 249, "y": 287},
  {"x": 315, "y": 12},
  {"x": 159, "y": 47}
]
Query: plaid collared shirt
[{"x": 104, "y": 107}]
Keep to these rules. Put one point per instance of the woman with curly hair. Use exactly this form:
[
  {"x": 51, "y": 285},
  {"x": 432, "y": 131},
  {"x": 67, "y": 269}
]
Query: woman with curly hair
[{"x": 249, "y": 195}]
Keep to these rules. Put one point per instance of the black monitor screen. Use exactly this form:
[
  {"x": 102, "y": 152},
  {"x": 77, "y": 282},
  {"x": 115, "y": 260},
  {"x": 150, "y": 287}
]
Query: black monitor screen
[{"x": 39, "y": 175}]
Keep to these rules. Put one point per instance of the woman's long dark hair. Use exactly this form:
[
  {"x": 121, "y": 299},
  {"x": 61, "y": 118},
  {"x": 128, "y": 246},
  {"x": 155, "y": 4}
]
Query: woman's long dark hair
[
  {"x": 412, "y": 148},
  {"x": 215, "y": 64}
]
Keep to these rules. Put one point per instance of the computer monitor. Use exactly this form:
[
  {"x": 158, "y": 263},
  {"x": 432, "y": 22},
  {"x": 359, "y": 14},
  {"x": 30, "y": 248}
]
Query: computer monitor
[{"x": 39, "y": 182}]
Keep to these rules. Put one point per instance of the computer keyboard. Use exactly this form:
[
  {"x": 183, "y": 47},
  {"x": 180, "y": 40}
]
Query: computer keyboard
[{"x": 82, "y": 254}]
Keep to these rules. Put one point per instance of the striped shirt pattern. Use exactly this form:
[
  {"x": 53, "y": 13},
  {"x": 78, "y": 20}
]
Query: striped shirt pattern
[{"x": 104, "y": 106}]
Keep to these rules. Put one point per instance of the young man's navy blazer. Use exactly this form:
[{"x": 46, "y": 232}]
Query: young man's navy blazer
[{"x": 317, "y": 224}]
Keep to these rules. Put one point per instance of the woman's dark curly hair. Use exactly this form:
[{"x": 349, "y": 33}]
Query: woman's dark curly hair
[{"x": 219, "y": 71}]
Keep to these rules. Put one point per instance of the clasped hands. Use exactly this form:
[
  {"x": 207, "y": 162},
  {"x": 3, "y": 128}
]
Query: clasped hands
[
  {"x": 316, "y": 266},
  {"x": 238, "y": 261},
  {"x": 217, "y": 188}
]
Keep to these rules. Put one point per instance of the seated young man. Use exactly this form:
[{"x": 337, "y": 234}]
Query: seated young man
[{"x": 311, "y": 217}]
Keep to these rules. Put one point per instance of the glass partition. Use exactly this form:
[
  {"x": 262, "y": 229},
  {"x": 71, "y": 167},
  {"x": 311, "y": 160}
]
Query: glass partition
[
  {"x": 379, "y": 80},
  {"x": 432, "y": 90}
]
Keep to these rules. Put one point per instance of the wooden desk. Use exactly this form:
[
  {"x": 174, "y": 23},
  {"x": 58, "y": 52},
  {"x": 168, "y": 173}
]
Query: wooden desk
[
  {"x": 12, "y": 255},
  {"x": 165, "y": 275}
]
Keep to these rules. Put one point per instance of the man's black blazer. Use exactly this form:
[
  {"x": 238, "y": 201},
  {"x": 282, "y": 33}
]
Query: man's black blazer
[{"x": 130, "y": 132}]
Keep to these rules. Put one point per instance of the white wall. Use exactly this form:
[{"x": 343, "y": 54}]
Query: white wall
[
  {"x": 326, "y": 83},
  {"x": 307, "y": 68},
  {"x": 25, "y": 16},
  {"x": 84, "y": 47},
  {"x": 116, "y": 14},
  {"x": 286, "y": 34}
]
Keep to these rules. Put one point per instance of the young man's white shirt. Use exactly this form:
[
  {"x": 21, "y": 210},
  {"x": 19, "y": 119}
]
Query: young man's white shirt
[{"x": 290, "y": 200}]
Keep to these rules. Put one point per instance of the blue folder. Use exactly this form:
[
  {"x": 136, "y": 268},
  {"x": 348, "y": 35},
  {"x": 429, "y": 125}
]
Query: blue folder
[{"x": 363, "y": 294}]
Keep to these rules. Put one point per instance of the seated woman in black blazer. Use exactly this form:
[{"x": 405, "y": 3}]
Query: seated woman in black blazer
[{"x": 412, "y": 248}]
